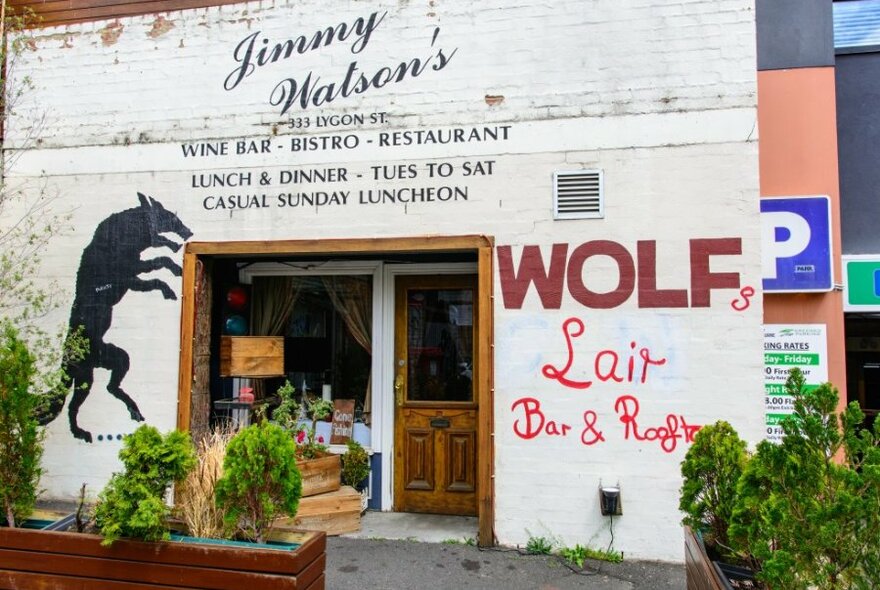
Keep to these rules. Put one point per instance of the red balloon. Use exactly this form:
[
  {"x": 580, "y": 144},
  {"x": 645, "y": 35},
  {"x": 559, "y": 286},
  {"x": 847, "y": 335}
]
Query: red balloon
[{"x": 236, "y": 298}]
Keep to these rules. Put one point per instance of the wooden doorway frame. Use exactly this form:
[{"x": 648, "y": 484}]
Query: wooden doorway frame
[{"x": 482, "y": 246}]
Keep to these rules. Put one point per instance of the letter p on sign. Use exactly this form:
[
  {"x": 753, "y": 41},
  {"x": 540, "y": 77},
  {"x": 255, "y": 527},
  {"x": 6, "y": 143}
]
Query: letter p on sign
[{"x": 796, "y": 244}]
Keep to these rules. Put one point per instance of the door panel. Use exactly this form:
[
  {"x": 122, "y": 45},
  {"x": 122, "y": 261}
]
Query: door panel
[
  {"x": 436, "y": 415},
  {"x": 419, "y": 467}
]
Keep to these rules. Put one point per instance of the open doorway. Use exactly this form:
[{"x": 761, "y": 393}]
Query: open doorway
[
  {"x": 863, "y": 363},
  {"x": 338, "y": 339}
]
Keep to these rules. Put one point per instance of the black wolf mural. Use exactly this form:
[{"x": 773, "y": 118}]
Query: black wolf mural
[{"x": 108, "y": 269}]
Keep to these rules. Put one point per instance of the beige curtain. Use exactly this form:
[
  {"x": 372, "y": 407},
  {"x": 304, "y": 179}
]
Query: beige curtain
[
  {"x": 272, "y": 302},
  {"x": 352, "y": 298}
]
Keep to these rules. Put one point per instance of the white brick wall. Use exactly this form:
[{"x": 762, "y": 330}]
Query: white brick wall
[{"x": 658, "y": 94}]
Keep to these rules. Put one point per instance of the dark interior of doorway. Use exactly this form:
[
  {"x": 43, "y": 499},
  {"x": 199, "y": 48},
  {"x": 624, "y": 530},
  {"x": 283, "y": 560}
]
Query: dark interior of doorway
[
  {"x": 863, "y": 363},
  {"x": 309, "y": 359}
]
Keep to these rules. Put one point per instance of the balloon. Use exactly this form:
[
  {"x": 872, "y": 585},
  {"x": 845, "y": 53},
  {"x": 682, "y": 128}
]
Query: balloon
[
  {"x": 236, "y": 325},
  {"x": 236, "y": 298}
]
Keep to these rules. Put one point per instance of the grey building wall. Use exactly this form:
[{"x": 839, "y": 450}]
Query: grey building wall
[
  {"x": 857, "y": 78},
  {"x": 794, "y": 34}
]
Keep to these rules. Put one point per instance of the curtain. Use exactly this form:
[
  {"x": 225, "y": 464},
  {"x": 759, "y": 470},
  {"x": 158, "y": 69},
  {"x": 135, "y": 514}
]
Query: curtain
[
  {"x": 352, "y": 298},
  {"x": 272, "y": 302}
]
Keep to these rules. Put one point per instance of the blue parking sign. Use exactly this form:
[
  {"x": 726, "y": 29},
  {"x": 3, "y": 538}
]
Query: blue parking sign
[{"x": 796, "y": 244}]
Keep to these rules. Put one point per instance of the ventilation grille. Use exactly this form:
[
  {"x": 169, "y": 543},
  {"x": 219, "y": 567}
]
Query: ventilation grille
[{"x": 578, "y": 195}]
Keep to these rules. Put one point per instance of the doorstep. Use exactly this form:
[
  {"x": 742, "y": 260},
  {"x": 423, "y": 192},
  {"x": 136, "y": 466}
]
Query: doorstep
[{"x": 427, "y": 528}]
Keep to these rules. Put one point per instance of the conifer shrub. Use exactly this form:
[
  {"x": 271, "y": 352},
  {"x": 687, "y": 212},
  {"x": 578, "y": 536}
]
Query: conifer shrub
[
  {"x": 711, "y": 470},
  {"x": 260, "y": 480},
  {"x": 809, "y": 508},
  {"x": 21, "y": 439},
  {"x": 133, "y": 502}
]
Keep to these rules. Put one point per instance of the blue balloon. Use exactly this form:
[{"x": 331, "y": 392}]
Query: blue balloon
[{"x": 236, "y": 325}]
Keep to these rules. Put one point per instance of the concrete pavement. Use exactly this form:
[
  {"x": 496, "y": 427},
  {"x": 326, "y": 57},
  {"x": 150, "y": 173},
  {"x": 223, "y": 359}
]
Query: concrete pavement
[
  {"x": 385, "y": 564},
  {"x": 402, "y": 551}
]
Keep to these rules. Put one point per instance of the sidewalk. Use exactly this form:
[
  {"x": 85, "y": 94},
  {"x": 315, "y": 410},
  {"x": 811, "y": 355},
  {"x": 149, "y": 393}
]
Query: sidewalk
[
  {"x": 383, "y": 564},
  {"x": 401, "y": 551}
]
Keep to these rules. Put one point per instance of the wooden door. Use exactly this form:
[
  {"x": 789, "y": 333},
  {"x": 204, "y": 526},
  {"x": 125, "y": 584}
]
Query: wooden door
[{"x": 435, "y": 418}]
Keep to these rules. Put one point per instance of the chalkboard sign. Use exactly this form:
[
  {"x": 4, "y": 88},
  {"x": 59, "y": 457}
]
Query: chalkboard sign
[{"x": 343, "y": 421}]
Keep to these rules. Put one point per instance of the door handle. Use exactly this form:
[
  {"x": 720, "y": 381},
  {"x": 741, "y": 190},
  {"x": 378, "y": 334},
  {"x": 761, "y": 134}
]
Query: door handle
[{"x": 398, "y": 389}]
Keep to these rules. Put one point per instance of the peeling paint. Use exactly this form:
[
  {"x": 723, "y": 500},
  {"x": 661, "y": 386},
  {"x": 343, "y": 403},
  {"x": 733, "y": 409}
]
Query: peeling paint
[
  {"x": 494, "y": 99},
  {"x": 160, "y": 26},
  {"x": 65, "y": 38},
  {"x": 111, "y": 33}
]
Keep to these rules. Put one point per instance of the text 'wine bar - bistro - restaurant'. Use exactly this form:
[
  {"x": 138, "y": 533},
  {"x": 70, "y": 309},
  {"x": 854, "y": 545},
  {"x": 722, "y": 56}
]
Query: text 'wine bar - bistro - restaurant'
[{"x": 520, "y": 243}]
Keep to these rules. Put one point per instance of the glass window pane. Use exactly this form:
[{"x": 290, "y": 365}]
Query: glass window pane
[{"x": 440, "y": 344}]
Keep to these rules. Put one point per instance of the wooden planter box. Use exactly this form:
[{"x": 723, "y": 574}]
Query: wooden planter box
[
  {"x": 705, "y": 574},
  {"x": 73, "y": 561},
  {"x": 698, "y": 567},
  {"x": 251, "y": 356},
  {"x": 334, "y": 513},
  {"x": 320, "y": 475}
]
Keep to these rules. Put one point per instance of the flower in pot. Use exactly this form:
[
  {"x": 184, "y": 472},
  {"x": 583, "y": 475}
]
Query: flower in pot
[
  {"x": 287, "y": 414},
  {"x": 310, "y": 446}
]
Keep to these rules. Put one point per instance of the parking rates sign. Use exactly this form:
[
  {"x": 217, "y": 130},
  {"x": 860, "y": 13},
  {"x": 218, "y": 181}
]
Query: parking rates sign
[
  {"x": 787, "y": 346},
  {"x": 796, "y": 244}
]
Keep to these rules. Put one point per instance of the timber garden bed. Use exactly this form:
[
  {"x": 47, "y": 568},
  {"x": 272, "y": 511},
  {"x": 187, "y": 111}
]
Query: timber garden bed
[
  {"x": 704, "y": 573},
  {"x": 77, "y": 561}
]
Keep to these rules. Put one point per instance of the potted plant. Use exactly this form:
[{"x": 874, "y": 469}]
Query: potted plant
[
  {"x": 67, "y": 560},
  {"x": 711, "y": 471},
  {"x": 809, "y": 507},
  {"x": 21, "y": 439},
  {"x": 320, "y": 469},
  {"x": 195, "y": 499},
  {"x": 260, "y": 480},
  {"x": 805, "y": 512},
  {"x": 356, "y": 469},
  {"x": 133, "y": 502}
]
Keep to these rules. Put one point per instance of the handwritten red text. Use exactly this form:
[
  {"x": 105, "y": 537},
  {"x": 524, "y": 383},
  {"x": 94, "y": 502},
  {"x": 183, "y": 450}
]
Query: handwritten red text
[{"x": 606, "y": 363}]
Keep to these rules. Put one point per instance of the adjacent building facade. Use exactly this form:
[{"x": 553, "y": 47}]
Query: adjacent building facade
[{"x": 525, "y": 240}]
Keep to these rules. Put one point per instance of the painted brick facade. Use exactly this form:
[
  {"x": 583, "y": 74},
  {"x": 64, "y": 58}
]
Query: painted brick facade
[{"x": 659, "y": 95}]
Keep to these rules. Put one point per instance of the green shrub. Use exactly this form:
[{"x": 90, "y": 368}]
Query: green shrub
[
  {"x": 133, "y": 502},
  {"x": 260, "y": 480},
  {"x": 355, "y": 464},
  {"x": 21, "y": 439},
  {"x": 286, "y": 415},
  {"x": 809, "y": 507},
  {"x": 711, "y": 470}
]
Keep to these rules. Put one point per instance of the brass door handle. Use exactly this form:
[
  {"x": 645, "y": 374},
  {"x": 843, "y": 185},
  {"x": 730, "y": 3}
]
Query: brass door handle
[{"x": 398, "y": 389}]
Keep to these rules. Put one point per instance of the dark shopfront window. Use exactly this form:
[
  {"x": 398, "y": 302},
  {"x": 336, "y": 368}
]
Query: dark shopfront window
[{"x": 326, "y": 322}]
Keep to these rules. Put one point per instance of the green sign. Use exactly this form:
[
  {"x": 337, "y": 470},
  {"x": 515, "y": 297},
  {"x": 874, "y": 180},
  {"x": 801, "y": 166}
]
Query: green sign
[
  {"x": 862, "y": 284},
  {"x": 790, "y": 358}
]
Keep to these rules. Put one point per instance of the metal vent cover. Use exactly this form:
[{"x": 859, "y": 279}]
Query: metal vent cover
[{"x": 578, "y": 195}]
